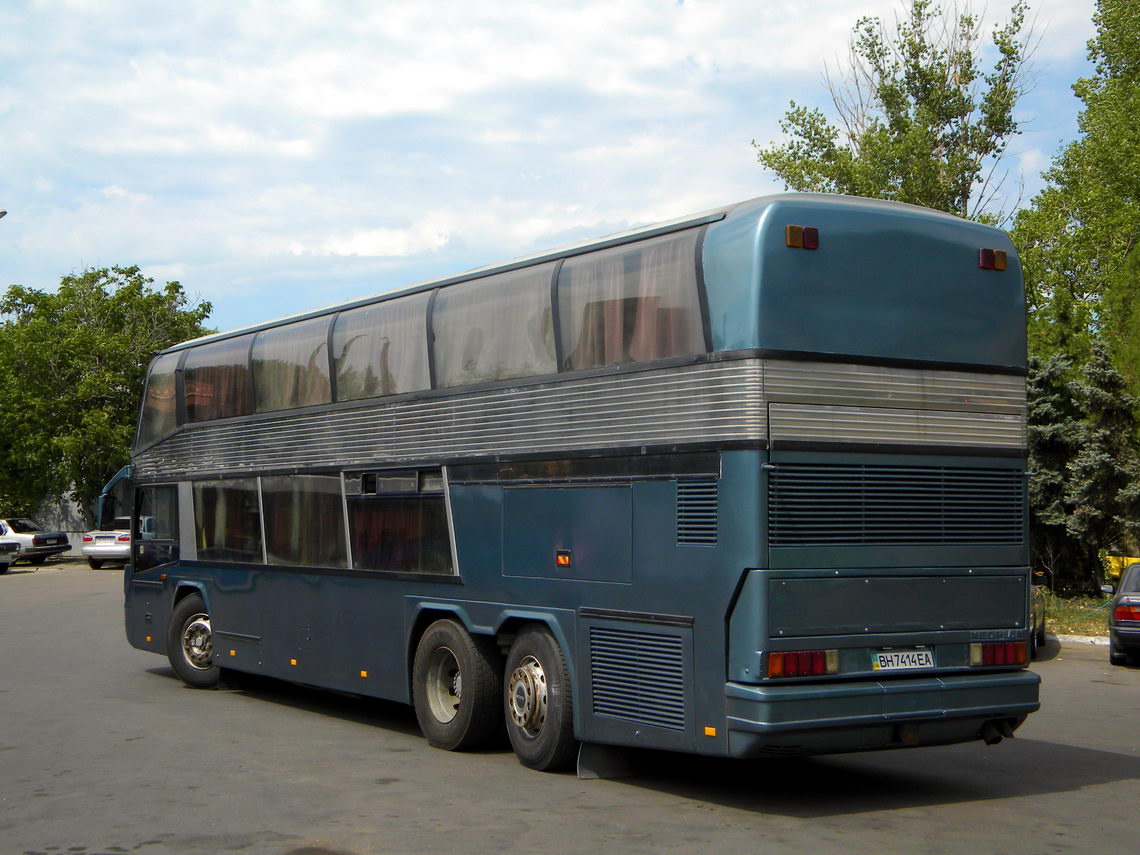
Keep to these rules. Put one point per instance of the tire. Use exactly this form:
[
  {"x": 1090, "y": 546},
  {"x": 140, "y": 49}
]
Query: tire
[
  {"x": 1116, "y": 657},
  {"x": 456, "y": 680},
  {"x": 190, "y": 644},
  {"x": 1033, "y": 644},
  {"x": 538, "y": 701},
  {"x": 94, "y": 563},
  {"x": 4, "y": 568},
  {"x": 37, "y": 559}
]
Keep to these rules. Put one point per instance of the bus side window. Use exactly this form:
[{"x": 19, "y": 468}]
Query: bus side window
[
  {"x": 631, "y": 303},
  {"x": 155, "y": 532},
  {"x": 398, "y": 522}
]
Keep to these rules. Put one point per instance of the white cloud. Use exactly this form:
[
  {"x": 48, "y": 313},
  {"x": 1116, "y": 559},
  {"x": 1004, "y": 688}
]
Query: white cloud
[{"x": 277, "y": 154}]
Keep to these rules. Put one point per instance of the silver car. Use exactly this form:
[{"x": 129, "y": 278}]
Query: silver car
[
  {"x": 112, "y": 544},
  {"x": 1124, "y": 619}
]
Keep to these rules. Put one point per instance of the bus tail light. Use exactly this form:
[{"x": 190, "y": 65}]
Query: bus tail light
[
  {"x": 999, "y": 653},
  {"x": 803, "y": 663}
]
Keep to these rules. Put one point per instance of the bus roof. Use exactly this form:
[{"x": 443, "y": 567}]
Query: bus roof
[{"x": 753, "y": 206}]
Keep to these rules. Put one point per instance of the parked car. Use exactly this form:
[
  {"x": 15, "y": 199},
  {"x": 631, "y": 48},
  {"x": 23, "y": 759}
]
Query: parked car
[
  {"x": 113, "y": 544},
  {"x": 9, "y": 552},
  {"x": 1036, "y": 621},
  {"x": 35, "y": 543},
  {"x": 1124, "y": 618}
]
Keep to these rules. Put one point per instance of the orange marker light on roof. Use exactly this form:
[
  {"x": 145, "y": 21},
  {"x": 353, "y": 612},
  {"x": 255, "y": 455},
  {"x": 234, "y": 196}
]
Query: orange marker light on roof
[
  {"x": 801, "y": 237},
  {"x": 993, "y": 259}
]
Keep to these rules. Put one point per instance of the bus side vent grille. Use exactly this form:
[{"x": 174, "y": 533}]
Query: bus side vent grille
[
  {"x": 638, "y": 677},
  {"x": 854, "y": 505},
  {"x": 696, "y": 512}
]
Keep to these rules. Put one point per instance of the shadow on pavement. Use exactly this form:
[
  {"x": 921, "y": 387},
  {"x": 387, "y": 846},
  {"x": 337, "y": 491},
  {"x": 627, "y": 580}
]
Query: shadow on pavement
[{"x": 862, "y": 783}]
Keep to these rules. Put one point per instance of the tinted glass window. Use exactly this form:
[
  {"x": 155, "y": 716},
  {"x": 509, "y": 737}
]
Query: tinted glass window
[
  {"x": 398, "y": 522},
  {"x": 1131, "y": 581},
  {"x": 381, "y": 349},
  {"x": 304, "y": 520},
  {"x": 633, "y": 303},
  {"x": 159, "y": 413},
  {"x": 227, "y": 522},
  {"x": 156, "y": 531},
  {"x": 291, "y": 367},
  {"x": 494, "y": 328},
  {"x": 216, "y": 380}
]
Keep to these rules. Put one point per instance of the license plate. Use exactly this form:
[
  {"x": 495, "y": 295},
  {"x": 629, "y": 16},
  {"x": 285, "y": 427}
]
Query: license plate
[
  {"x": 901, "y": 660},
  {"x": 51, "y": 541}
]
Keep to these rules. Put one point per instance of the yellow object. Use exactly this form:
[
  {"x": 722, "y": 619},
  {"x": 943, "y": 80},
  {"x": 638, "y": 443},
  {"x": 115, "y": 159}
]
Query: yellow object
[
  {"x": 292, "y": 661},
  {"x": 710, "y": 731},
  {"x": 1117, "y": 564},
  {"x": 363, "y": 673}
]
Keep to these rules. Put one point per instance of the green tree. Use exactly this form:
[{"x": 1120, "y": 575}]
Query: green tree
[
  {"x": 919, "y": 120},
  {"x": 72, "y": 367},
  {"x": 1077, "y": 239},
  {"x": 1084, "y": 484}
]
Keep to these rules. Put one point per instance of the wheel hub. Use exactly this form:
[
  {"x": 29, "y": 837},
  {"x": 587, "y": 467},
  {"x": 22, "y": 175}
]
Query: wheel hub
[
  {"x": 198, "y": 642},
  {"x": 527, "y": 694},
  {"x": 444, "y": 684}
]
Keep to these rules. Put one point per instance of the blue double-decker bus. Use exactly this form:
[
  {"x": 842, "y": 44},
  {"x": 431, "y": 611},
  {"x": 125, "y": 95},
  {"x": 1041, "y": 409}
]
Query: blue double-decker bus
[{"x": 750, "y": 482}]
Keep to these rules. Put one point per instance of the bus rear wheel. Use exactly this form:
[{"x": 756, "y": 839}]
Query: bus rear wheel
[
  {"x": 455, "y": 687},
  {"x": 539, "y": 708},
  {"x": 190, "y": 643}
]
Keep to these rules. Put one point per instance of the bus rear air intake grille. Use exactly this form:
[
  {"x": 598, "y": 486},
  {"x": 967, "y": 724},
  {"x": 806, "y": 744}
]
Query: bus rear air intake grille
[
  {"x": 863, "y": 505},
  {"x": 638, "y": 677},
  {"x": 696, "y": 512}
]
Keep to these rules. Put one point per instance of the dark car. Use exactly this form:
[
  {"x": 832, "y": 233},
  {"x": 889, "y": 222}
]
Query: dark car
[
  {"x": 9, "y": 552},
  {"x": 1124, "y": 619}
]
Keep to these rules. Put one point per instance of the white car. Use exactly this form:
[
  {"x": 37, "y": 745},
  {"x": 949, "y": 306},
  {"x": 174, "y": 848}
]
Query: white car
[
  {"x": 112, "y": 544},
  {"x": 35, "y": 543}
]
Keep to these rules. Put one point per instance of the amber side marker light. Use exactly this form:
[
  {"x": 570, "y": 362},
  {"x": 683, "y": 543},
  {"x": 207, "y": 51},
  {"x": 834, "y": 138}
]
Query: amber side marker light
[{"x": 562, "y": 557}]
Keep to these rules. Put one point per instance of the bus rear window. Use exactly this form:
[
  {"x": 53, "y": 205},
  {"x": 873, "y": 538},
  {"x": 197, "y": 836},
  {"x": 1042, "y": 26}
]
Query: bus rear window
[{"x": 633, "y": 303}]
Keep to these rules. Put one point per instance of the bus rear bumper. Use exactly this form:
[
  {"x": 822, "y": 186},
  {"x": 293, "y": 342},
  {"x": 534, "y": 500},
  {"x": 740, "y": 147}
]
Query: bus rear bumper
[{"x": 822, "y": 718}]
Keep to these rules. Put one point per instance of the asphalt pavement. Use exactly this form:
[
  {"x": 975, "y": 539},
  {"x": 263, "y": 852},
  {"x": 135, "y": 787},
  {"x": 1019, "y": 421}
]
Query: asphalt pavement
[{"x": 103, "y": 750}]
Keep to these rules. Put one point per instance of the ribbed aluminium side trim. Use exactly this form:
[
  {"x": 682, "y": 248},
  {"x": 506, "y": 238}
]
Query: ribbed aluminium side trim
[
  {"x": 812, "y": 422},
  {"x": 707, "y": 404}
]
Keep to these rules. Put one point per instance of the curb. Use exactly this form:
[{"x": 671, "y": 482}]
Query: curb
[{"x": 1098, "y": 640}]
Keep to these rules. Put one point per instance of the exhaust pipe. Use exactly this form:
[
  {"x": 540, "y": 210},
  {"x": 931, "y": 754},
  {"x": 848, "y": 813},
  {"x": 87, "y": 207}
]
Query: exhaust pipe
[{"x": 995, "y": 730}]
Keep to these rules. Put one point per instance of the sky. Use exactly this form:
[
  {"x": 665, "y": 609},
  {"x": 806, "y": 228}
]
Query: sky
[{"x": 275, "y": 156}]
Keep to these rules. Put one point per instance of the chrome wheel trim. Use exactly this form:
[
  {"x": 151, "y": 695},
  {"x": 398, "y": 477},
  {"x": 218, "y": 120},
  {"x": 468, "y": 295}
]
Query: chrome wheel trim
[
  {"x": 198, "y": 642},
  {"x": 527, "y": 696},
  {"x": 444, "y": 684}
]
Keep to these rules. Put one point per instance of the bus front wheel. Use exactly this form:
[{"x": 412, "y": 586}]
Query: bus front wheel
[
  {"x": 190, "y": 643},
  {"x": 455, "y": 687},
  {"x": 539, "y": 711}
]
